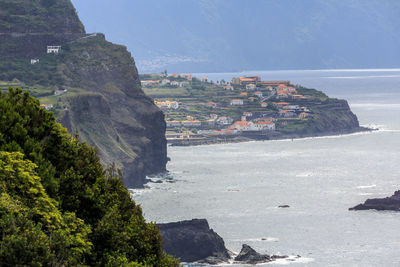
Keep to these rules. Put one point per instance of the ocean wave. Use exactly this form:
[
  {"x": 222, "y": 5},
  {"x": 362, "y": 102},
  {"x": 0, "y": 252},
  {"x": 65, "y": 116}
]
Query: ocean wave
[
  {"x": 365, "y": 194},
  {"x": 258, "y": 239},
  {"x": 361, "y": 77},
  {"x": 366, "y": 186},
  {"x": 291, "y": 259},
  {"x": 305, "y": 174},
  {"x": 359, "y": 70}
]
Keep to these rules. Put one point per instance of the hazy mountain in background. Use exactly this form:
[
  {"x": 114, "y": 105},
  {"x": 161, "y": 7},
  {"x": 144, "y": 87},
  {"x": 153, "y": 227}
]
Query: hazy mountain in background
[{"x": 235, "y": 35}]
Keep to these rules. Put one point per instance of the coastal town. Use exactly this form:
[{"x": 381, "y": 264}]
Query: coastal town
[{"x": 197, "y": 108}]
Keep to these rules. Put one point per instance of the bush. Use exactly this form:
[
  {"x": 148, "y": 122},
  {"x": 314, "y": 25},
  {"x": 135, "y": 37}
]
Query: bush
[{"x": 64, "y": 205}]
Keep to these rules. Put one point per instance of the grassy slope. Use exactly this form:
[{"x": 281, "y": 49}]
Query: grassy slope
[{"x": 328, "y": 114}]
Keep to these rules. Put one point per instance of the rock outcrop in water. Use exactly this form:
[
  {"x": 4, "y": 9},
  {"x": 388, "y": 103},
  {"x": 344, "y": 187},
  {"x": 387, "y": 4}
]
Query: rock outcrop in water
[
  {"x": 249, "y": 256},
  {"x": 102, "y": 98},
  {"x": 194, "y": 241},
  {"x": 388, "y": 203}
]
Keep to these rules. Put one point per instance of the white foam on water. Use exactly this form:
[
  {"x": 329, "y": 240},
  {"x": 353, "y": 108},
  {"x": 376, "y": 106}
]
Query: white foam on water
[
  {"x": 362, "y": 77},
  {"x": 258, "y": 239},
  {"x": 290, "y": 260},
  {"x": 366, "y": 186},
  {"x": 304, "y": 174},
  {"x": 286, "y": 261},
  {"x": 331, "y": 136},
  {"x": 358, "y": 70},
  {"x": 365, "y": 194}
]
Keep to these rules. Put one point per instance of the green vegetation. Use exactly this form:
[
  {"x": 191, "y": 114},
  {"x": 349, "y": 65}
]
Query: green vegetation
[
  {"x": 58, "y": 206},
  {"x": 304, "y": 112},
  {"x": 39, "y": 16}
]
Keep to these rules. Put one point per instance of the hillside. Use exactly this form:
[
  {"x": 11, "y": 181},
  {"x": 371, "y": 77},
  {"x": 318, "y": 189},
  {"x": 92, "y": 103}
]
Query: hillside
[
  {"x": 236, "y": 35},
  {"x": 92, "y": 84},
  {"x": 58, "y": 205},
  {"x": 198, "y": 111}
]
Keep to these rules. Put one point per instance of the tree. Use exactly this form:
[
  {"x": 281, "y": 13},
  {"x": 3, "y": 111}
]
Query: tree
[
  {"x": 87, "y": 197},
  {"x": 33, "y": 231}
]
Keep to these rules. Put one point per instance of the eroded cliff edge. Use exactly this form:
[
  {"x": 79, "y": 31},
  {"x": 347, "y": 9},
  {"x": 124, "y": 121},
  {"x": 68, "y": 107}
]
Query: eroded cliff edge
[{"x": 100, "y": 93}]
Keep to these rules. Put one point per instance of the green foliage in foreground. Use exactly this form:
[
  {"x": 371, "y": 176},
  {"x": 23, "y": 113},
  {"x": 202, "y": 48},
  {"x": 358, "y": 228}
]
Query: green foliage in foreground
[{"x": 58, "y": 207}]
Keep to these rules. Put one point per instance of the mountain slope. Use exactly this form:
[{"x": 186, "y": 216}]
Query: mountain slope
[
  {"x": 93, "y": 84},
  {"x": 235, "y": 35}
]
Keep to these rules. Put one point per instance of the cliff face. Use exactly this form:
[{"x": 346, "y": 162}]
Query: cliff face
[
  {"x": 333, "y": 115},
  {"x": 103, "y": 101},
  {"x": 329, "y": 116},
  {"x": 112, "y": 112},
  {"x": 39, "y": 16}
]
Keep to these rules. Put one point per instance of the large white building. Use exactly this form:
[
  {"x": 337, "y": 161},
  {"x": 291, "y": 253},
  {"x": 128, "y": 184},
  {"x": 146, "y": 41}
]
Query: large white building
[
  {"x": 167, "y": 104},
  {"x": 53, "y": 49},
  {"x": 224, "y": 120},
  {"x": 237, "y": 102},
  {"x": 247, "y": 126}
]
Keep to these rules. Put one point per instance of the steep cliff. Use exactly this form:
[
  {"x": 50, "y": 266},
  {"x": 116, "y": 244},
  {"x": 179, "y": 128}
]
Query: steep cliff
[{"x": 101, "y": 97}]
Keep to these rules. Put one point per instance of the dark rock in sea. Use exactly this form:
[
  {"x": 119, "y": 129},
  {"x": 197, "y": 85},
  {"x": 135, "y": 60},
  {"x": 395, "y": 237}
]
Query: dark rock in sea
[
  {"x": 275, "y": 257},
  {"x": 388, "y": 203},
  {"x": 194, "y": 241},
  {"x": 249, "y": 256},
  {"x": 284, "y": 206}
]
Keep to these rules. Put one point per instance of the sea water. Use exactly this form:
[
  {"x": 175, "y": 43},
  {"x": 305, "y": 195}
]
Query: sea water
[{"x": 238, "y": 187}]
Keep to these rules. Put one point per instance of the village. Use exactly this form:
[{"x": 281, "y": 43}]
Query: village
[{"x": 196, "y": 107}]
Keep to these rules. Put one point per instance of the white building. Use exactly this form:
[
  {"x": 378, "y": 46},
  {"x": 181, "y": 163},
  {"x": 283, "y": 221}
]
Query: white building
[
  {"x": 264, "y": 126},
  {"x": 47, "y": 107},
  {"x": 247, "y": 114},
  {"x": 204, "y": 79},
  {"x": 236, "y": 102},
  {"x": 174, "y": 83},
  {"x": 34, "y": 61},
  {"x": 291, "y": 107},
  {"x": 224, "y": 120},
  {"x": 247, "y": 126},
  {"x": 167, "y": 104},
  {"x": 165, "y": 82},
  {"x": 251, "y": 86},
  {"x": 55, "y": 49},
  {"x": 172, "y": 104},
  {"x": 184, "y": 84},
  {"x": 287, "y": 114},
  {"x": 258, "y": 93}
]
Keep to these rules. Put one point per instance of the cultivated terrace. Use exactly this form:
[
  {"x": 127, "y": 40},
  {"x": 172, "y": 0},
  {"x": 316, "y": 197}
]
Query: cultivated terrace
[{"x": 247, "y": 106}]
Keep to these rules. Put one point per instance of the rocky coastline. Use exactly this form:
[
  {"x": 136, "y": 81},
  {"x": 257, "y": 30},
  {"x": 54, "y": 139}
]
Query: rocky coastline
[
  {"x": 388, "y": 203},
  {"x": 193, "y": 241},
  {"x": 211, "y": 140}
]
